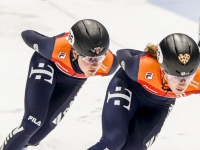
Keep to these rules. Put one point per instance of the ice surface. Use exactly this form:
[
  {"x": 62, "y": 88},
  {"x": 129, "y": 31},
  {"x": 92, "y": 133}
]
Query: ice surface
[{"x": 131, "y": 24}]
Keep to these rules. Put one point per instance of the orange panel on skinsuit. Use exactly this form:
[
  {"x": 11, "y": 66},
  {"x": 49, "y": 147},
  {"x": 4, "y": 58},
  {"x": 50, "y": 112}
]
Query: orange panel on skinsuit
[
  {"x": 62, "y": 45},
  {"x": 149, "y": 75},
  {"x": 106, "y": 65},
  {"x": 149, "y": 65},
  {"x": 195, "y": 84},
  {"x": 61, "y": 55}
]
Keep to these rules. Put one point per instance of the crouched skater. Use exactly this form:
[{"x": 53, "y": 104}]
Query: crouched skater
[
  {"x": 58, "y": 69},
  {"x": 142, "y": 92}
]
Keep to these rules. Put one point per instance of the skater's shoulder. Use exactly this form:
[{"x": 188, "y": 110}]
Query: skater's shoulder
[
  {"x": 129, "y": 55},
  {"x": 129, "y": 60},
  {"x": 130, "y": 51}
]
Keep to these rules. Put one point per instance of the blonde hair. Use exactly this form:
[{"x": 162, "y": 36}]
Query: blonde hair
[{"x": 152, "y": 50}]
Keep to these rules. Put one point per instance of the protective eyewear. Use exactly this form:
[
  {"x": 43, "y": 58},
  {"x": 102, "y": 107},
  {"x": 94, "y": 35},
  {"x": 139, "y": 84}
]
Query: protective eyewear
[
  {"x": 91, "y": 60},
  {"x": 180, "y": 79}
]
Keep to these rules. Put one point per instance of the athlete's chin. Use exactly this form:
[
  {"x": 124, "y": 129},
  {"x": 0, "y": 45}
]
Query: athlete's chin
[
  {"x": 179, "y": 91},
  {"x": 90, "y": 74}
]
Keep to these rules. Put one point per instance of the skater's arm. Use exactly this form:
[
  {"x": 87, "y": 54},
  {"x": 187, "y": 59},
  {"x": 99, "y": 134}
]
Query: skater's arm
[{"x": 42, "y": 44}]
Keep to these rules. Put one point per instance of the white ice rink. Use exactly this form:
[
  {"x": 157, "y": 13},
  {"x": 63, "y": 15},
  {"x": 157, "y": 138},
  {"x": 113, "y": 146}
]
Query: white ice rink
[{"x": 131, "y": 24}]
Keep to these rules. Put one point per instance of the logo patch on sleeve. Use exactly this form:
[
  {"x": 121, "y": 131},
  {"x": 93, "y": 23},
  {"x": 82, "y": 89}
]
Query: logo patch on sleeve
[
  {"x": 149, "y": 75},
  {"x": 62, "y": 55},
  {"x": 36, "y": 48}
]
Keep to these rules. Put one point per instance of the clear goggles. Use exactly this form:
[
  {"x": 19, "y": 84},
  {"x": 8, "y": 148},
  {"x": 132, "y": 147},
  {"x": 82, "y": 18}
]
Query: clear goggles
[
  {"x": 91, "y": 60},
  {"x": 176, "y": 79}
]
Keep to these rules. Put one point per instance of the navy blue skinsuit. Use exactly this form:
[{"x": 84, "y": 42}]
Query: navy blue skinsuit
[
  {"x": 49, "y": 93},
  {"x": 132, "y": 116}
]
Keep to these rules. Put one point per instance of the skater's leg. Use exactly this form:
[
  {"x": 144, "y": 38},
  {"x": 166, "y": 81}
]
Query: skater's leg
[
  {"x": 118, "y": 108},
  {"x": 39, "y": 88},
  {"x": 61, "y": 100},
  {"x": 145, "y": 126}
]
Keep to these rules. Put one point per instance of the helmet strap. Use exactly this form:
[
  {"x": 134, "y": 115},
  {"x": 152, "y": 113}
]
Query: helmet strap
[
  {"x": 165, "y": 85},
  {"x": 74, "y": 59}
]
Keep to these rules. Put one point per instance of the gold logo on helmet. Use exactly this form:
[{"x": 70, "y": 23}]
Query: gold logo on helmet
[{"x": 184, "y": 58}]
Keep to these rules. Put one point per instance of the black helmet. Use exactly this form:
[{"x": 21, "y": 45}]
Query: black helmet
[
  {"x": 178, "y": 55},
  {"x": 89, "y": 38}
]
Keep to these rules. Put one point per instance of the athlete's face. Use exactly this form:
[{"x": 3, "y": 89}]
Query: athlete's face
[
  {"x": 177, "y": 85},
  {"x": 88, "y": 68},
  {"x": 178, "y": 88}
]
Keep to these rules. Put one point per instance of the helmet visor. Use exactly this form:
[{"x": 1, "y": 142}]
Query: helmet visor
[
  {"x": 177, "y": 79},
  {"x": 91, "y": 60}
]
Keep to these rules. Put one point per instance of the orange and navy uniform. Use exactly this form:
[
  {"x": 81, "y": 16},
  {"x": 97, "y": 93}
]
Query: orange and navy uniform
[
  {"x": 58, "y": 50},
  {"x": 52, "y": 84},
  {"x": 137, "y": 103}
]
